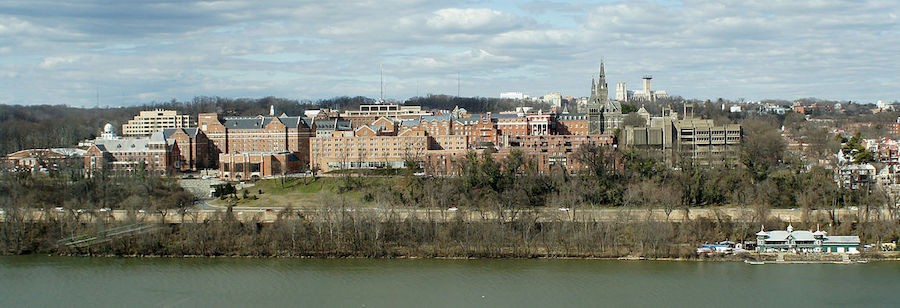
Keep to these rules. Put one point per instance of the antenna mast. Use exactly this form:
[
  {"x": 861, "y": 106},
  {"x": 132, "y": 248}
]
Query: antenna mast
[
  {"x": 382, "y": 83},
  {"x": 457, "y": 83}
]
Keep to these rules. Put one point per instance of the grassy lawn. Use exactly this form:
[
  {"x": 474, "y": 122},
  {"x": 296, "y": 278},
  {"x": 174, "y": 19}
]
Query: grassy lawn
[{"x": 300, "y": 192}]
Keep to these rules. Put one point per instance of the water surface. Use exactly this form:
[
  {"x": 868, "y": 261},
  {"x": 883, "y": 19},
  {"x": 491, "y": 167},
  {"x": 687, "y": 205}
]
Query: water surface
[{"x": 37, "y": 281}]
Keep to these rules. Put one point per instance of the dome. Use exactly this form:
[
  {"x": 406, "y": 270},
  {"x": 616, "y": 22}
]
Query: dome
[{"x": 108, "y": 128}]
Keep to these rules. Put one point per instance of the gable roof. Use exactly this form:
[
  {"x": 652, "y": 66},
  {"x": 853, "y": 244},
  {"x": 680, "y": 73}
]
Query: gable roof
[
  {"x": 257, "y": 122},
  {"x": 294, "y": 122},
  {"x": 190, "y": 131},
  {"x": 430, "y": 118}
]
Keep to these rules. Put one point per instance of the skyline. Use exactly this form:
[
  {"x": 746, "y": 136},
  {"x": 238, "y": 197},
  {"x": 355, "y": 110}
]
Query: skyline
[{"x": 65, "y": 53}]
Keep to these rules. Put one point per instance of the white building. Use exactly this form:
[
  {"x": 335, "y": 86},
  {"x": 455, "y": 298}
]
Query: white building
[
  {"x": 149, "y": 122},
  {"x": 553, "y": 99},
  {"x": 512, "y": 95}
]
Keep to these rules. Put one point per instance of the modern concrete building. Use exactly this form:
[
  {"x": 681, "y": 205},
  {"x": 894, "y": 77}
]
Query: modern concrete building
[
  {"x": 553, "y": 99},
  {"x": 386, "y": 110},
  {"x": 149, "y": 122},
  {"x": 699, "y": 140}
]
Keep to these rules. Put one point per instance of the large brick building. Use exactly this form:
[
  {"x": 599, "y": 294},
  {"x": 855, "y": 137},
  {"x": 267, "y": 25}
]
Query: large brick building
[
  {"x": 364, "y": 148},
  {"x": 283, "y": 139},
  {"x": 193, "y": 147}
]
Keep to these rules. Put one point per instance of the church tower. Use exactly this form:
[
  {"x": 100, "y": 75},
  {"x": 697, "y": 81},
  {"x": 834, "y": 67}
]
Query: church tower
[
  {"x": 604, "y": 116},
  {"x": 602, "y": 90}
]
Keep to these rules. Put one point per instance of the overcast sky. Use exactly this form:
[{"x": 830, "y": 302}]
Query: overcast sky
[{"x": 63, "y": 52}]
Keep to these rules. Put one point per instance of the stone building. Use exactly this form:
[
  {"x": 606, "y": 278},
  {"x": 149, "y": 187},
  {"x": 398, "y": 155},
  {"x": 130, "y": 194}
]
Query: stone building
[
  {"x": 128, "y": 155},
  {"x": 604, "y": 115}
]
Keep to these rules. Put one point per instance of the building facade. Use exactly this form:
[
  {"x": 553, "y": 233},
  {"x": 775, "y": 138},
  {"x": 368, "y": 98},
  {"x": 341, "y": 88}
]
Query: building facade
[
  {"x": 193, "y": 147},
  {"x": 700, "y": 141},
  {"x": 363, "y": 149},
  {"x": 604, "y": 115},
  {"x": 791, "y": 240},
  {"x": 149, "y": 122},
  {"x": 114, "y": 154},
  {"x": 281, "y": 136}
]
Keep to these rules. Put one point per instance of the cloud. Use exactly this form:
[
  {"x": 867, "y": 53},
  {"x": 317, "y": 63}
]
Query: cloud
[
  {"x": 52, "y": 62},
  {"x": 472, "y": 20},
  {"x": 61, "y": 52}
]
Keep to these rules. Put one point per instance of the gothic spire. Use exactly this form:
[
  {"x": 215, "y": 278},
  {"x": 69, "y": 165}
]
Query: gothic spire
[
  {"x": 602, "y": 72},
  {"x": 601, "y": 84}
]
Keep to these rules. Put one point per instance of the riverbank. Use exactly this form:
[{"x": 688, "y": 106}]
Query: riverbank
[{"x": 359, "y": 235}]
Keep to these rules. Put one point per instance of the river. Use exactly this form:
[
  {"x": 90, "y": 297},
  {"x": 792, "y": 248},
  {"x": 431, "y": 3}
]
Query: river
[{"x": 42, "y": 281}]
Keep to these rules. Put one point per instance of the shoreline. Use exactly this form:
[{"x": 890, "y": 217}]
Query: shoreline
[{"x": 731, "y": 258}]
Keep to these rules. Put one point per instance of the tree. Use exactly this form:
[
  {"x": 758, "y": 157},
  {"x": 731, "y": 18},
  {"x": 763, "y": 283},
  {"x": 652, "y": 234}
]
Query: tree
[
  {"x": 634, "y": 119},
  {"x": 762, "y": 147}
]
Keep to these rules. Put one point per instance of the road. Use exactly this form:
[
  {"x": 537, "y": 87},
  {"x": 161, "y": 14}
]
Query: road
[
  {"x": 204, "y": 211},
  {"x": 208, "y": 212}
]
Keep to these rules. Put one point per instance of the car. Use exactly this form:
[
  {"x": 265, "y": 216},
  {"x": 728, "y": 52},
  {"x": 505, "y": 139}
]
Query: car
[
  {"x": 105, "y": 209},
  {"x": 59, "y": 209},
  {"x": 142, "y": 211},
  {"x": 563, "y": 209},
  {"x": 453, "y": 209}
]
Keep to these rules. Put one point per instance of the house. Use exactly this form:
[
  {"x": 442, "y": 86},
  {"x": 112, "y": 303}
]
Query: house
[{"x": 791, "y": 240}]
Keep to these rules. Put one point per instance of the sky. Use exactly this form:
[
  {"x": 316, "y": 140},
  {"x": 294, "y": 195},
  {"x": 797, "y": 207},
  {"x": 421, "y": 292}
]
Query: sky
[{"x": 118, "y": 53}]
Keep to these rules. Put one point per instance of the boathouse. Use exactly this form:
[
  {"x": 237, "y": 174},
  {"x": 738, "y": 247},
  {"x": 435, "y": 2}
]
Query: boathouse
[{"x": 791, "y": 240}]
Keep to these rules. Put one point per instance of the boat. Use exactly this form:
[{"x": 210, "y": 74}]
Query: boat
[{"x": 754, "y": 262}]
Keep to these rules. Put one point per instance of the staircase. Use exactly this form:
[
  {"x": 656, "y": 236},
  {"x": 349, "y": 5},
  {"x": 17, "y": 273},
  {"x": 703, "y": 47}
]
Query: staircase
[{"x": 106, "y": 235}]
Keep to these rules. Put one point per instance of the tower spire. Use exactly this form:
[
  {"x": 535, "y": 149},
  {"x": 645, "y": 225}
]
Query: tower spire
[{"x": 602, "y": 71}]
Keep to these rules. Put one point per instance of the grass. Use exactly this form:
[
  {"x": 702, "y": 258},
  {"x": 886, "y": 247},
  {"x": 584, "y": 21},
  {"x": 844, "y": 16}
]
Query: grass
[{"x": 300, "y": 192}]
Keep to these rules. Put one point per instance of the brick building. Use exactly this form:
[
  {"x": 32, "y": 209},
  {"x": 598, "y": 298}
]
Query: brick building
[
  {"x": 571, "y": 124},
  {"x": 282, "y": 138},
  {"x": 363, "y": 149},
  {"x": 193, "y": 147}
]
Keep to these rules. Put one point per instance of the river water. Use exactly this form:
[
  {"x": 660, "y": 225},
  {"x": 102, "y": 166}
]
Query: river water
[{"x": 38, "y": 281}]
